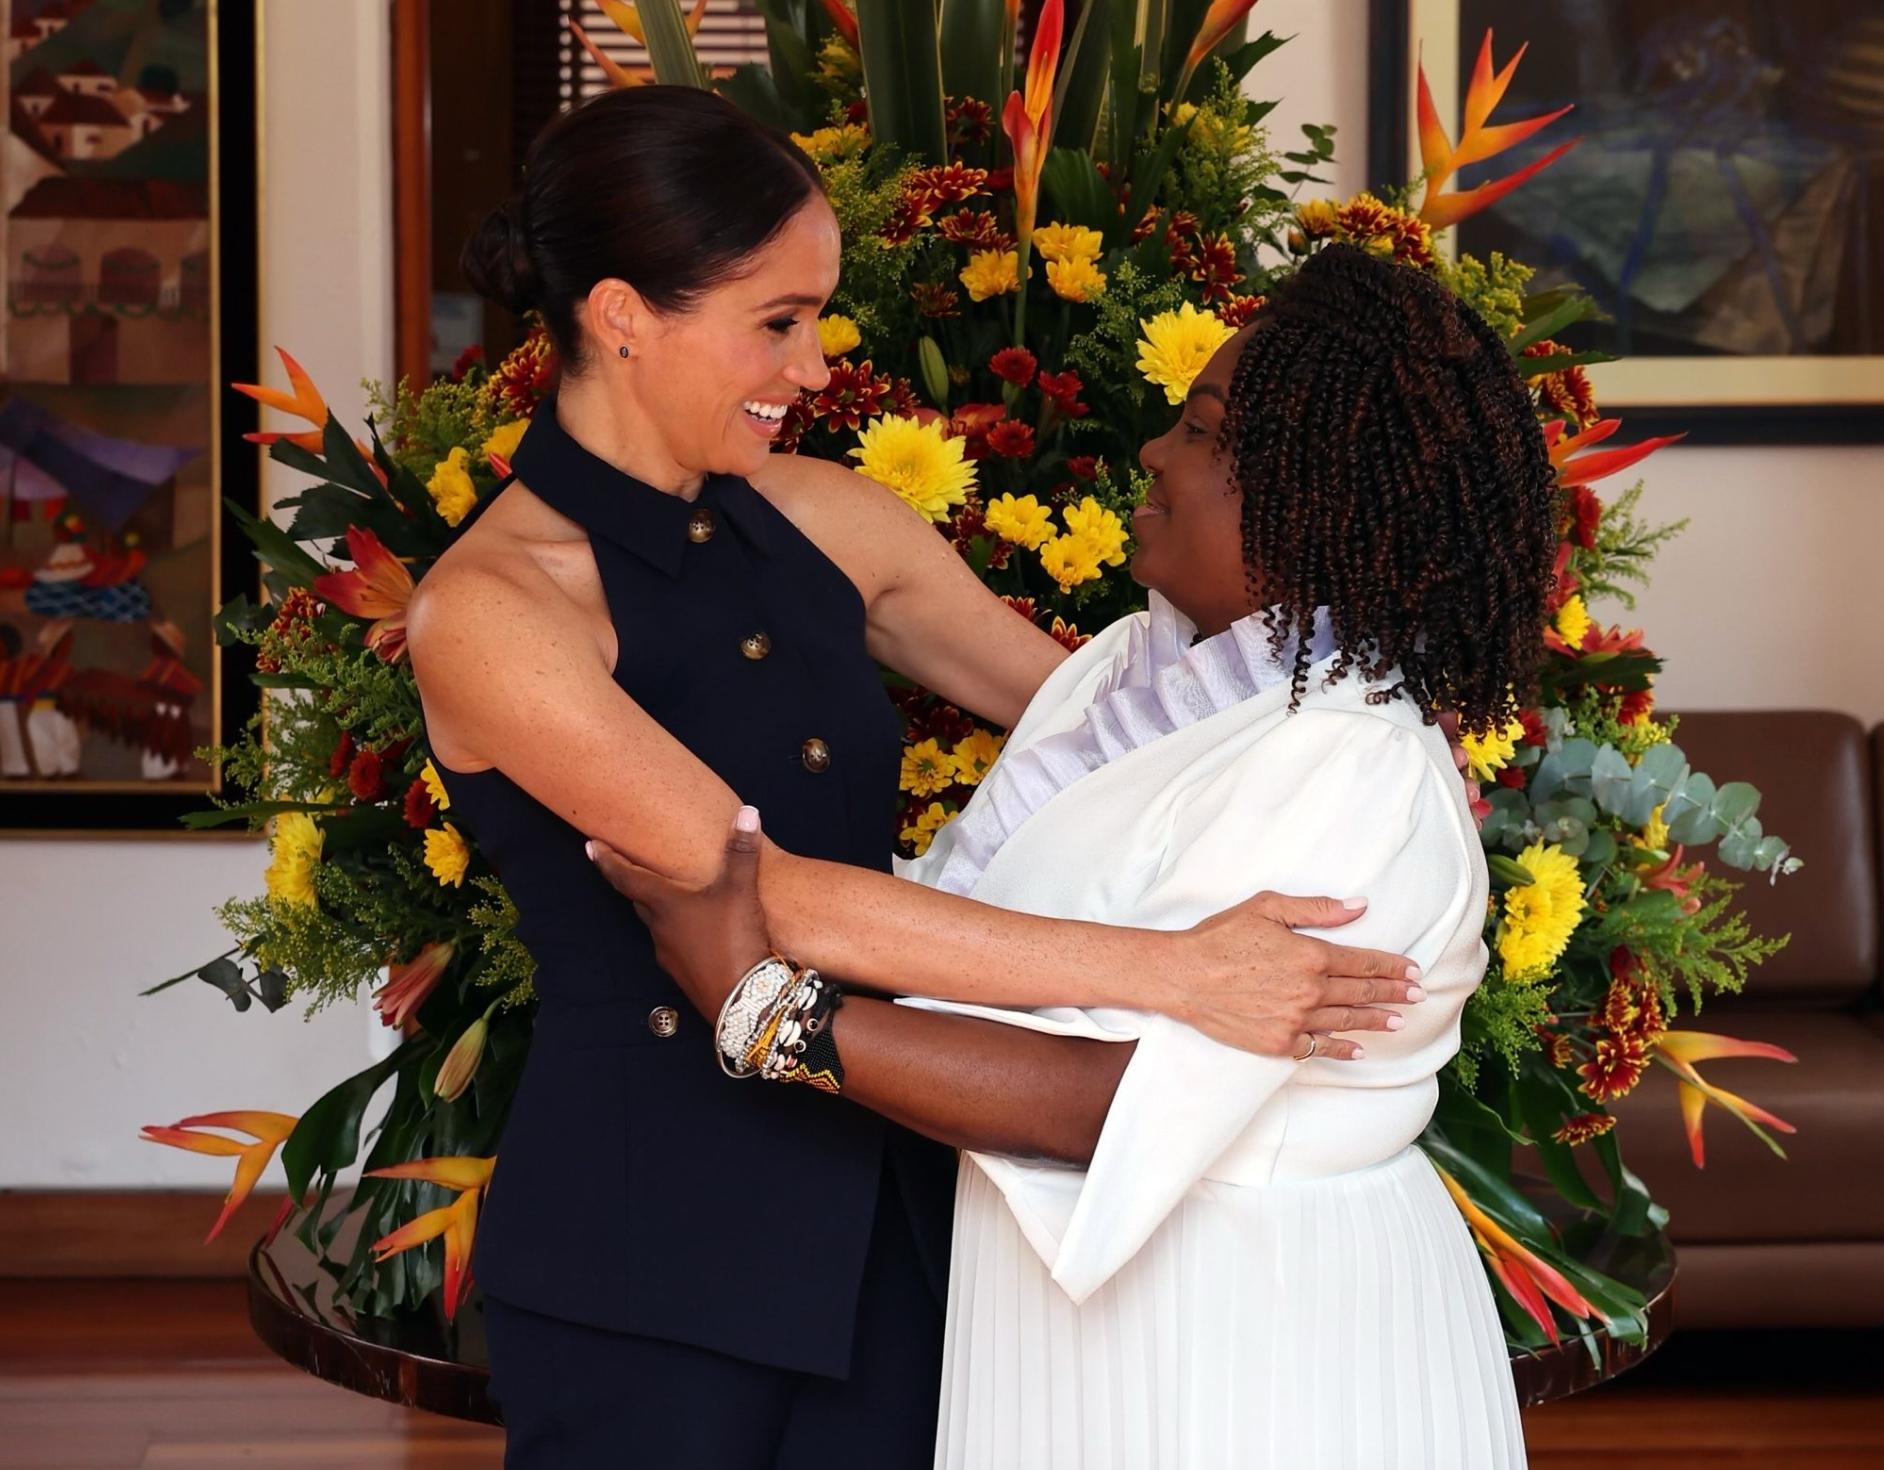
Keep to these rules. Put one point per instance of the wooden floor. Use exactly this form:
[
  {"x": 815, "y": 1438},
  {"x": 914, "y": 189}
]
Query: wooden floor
[{"x": 118, "y": 1375}]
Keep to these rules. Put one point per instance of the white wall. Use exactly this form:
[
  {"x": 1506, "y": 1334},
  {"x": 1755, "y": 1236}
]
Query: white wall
[
  {"x": 85, "y": 925},
  {"x": 1769, "y": 600}
]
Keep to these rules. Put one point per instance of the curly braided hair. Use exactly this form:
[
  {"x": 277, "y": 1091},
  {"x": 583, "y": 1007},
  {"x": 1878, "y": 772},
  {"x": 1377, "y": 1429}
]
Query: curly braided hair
[{"x": 1393, "y": 471}]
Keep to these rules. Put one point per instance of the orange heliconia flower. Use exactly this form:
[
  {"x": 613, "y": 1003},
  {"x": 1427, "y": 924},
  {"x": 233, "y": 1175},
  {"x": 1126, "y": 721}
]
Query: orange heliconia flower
[
  {"x": 1587, "y": 468},
  {"x": 1222, "y": 18},
  {"x": 1442, "y": 160},
  {"x": 1682, "y": 1049},
  {"x": 1526, "y": 1275},
  {"x": 304, "y": 402},
  {"x": 1028, "y": 120},
  {"x": 269, "y": 1130},
  {"x": 844, "y": 18},
  {"x": 378, "y": 587},
  {"x": 457, "y": 1221}
]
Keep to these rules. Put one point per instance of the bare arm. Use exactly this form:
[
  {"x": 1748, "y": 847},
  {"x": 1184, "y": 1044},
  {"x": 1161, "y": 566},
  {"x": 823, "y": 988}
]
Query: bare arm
[
  {"x": 929, "y": 617},
  {"x": 979, "y": 1084}
]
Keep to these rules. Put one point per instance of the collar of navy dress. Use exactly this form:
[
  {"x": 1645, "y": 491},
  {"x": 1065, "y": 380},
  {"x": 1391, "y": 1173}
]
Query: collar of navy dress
[{"x": 611, "y": 503}]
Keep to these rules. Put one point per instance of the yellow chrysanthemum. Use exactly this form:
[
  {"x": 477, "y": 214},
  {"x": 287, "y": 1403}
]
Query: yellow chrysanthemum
[
  {"x": 917, "y": 462},
  {"x": 447, "y": 855},
  {"x": 926, "y": 770},
  {"x": 294, "y": 853},
  {"x": 1573, "y": 620},
  {"x": 991, "y": 273},
  {"x": 1068, "y": 242},
  {"x": 1070, "y": 560},
  {"x": 1490, "y": 754},
  {"x": 1655, "y": 832},
  {"x": 1022, "y": 520},
  {"x": 1099, "y": 528},
  {"x": 1541, "y": 916},
  {"x": 1319, "y": 218},
  {"x": 829, "y": 144},
  {"x": 974, "y": 755},
  {"x": 452, "y": 491},
  {"x": 1076, "y": 280},
  {"x": 837, "y": 335},
  {"x": 1177, "y": 345},
  {"x": 435, "y": 786},
  {"x": 504, "y": 439},
  {"x": 927, "y": 825}
]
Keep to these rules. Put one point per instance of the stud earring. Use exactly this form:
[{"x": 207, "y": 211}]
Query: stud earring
[{"x": 623, "y": 349}]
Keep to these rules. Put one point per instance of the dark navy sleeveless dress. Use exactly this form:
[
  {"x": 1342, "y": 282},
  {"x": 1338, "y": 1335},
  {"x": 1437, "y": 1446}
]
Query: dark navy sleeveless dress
[{"x": 657, "y": 1236}]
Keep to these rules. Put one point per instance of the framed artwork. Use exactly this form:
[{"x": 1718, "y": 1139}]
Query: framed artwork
[
  {"x": 1725, "y": 206},
  {"x": 130, "y": 257}
]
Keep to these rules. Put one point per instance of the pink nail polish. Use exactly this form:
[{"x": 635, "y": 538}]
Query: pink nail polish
[
  {"x": 1416, "y": 993},
  {"x": 1394, "y": 1023}
]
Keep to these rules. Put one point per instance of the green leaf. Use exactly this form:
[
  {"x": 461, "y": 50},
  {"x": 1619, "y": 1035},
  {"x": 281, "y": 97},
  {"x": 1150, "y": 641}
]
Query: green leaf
[
  {"x": 1545, "y": 1103},
  {"x": 226, "y": 975},
  {"x": 1611, "y": 779},
  {"x": 272, "y": 986},
  {"x": 1079, "y": 195},
  {"x": 792, "y": 61},
  {"x": 239, "y": 617},
  {"x": 670, "y": 48},
  {"x": 1573, "y": 309},
  {"x": 1079, "y": 96},
  {"x": 1630, "y": 1210},
  {"x": 1557, "y": 362},
  {"x": 276, "y": 547},
  {"x": 970, "y": 44},
  {"x": 1695, "y": 824},
  {"x": 902, "y": 66},
  {"x": 327, "y": 1138},
  {"x": 1242, "y": 61},
  {"x": 754, "y": 90}
]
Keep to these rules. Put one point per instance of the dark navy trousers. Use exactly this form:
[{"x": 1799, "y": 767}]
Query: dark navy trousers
[{"x": 582, "y": 1398}]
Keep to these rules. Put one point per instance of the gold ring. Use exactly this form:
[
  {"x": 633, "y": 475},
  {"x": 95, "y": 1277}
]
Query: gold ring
[{"x": 1313, "y": 1042}]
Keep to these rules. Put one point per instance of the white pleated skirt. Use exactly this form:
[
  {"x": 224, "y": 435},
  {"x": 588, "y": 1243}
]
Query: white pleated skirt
[{"x": 1341, "y": 1323}]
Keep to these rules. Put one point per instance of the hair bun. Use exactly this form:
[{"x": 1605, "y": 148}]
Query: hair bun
[{"x": 496, "y": 261}]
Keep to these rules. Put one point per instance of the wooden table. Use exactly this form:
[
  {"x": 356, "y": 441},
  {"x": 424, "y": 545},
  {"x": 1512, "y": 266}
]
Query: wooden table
[{"x": 426, "y": 1363}]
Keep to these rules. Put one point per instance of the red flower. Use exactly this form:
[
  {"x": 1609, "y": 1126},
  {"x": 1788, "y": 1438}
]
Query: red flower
[
  {"x": 1617, "y": 1066},
  {"x": 1238, "y": 310},
  {"x": 342, "y": 757},
  {"x": 1064, "y": 389},
  {"x": 1148, "y": 222},
  {"x": 1022, "y": 605},
  {"x": 969, "y": 121},
  {"x": 1083, "y": 467},
  {"x": 854, "y": 394},
  {"x": 1216, "y": 269},
  {"x": 934, "y": 300},
  {"x": 1182, "y": 225},
  {"x": 367, "y": 778},
  {"x": 1512, "y": 776},
  {"x": 1583, "y": 1127},
  {"x": 472, "y": 356},
  {"x": 1000, "y": 180},
  {"x": 1534, "y": 731},
  {"x": 1586, "y": 513},
  {"x": 419, "y": 808},
  {"x": 1556, "y": 1046},
  {"x": 971, "y": 423},
  {"x": 407, "y": 985},
  {"x": 907, "y": 218},
  {"x": 1012, "y": 438},
  {"x": 1015, "y": 364},
  {"x": 857, "y": 112},
  {"x": 975, "y": 228},
  {"x": 1068, "y": 636},
  {"x": 1638, "y": 705},
  {"x": 945, "y": 184}
]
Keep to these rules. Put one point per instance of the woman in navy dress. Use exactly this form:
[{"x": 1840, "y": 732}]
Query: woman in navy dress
[{"x": 656, "y": 621}]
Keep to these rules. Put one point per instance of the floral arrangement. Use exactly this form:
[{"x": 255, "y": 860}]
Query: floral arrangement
[{"x": 1022, "y": 300}]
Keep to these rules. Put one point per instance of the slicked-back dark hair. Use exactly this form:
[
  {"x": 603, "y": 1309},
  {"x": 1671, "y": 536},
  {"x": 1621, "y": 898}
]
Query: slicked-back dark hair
[
  {"x": 1393, "y": 471},
  {"x": 670, "y": 189}
]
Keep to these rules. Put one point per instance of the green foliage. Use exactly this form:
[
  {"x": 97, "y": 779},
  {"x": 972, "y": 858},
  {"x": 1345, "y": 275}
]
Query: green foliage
[{"x": 1625, "y": 545}]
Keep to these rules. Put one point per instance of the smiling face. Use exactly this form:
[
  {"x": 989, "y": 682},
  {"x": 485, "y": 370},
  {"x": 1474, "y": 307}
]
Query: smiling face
[
  {"x": 712, "y": 383},
  {"x": 1190, "y": 528}
]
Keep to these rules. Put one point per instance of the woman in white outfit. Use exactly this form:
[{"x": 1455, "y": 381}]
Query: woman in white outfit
[{"x": 1170, "y": 1255}]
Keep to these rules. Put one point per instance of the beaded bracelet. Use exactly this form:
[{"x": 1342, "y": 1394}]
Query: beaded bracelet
[
  {"x": 749, "y": 1008},
  {"x": 776, "y": 1025}
]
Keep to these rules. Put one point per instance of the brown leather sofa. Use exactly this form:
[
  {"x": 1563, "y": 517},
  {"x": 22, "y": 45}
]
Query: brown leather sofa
[{"x": 1797, "y": 1242}]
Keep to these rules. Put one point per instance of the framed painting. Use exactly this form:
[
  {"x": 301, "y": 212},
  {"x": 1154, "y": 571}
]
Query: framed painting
[
  {"x": 1725, "y": 206},
  {"x": 130, "y": 254}
]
